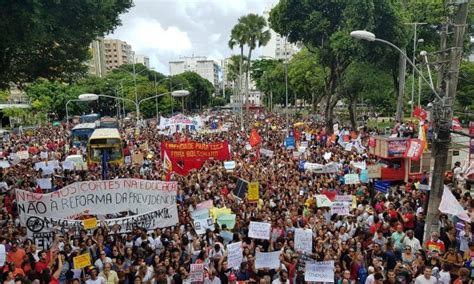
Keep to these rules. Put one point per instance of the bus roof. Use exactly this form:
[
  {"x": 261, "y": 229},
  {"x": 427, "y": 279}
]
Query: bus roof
[
  {"x": 84, "y": 126},
  {"x": 105, "y": 133}
]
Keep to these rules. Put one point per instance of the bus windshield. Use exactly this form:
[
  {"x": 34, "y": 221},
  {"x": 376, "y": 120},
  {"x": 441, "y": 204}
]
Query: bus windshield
[
  {"x": 105, "y": 141},
  {"x": 80, "y": 134}
]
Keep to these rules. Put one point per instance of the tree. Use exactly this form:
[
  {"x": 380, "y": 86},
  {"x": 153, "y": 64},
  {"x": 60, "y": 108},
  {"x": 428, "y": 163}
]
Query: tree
[
  {"x": 324, "y": 27},
  {"x": 217, "y": 101},
  {"x": 465, "y": 93},
  {"x": 50, "y": 39},
  {"x": 249, "y": 31},
  {"x": 306, "y": 77}
]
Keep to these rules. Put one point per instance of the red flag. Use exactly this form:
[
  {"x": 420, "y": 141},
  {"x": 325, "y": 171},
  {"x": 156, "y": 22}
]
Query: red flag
[
  {"x": 420, "y": 113},
  {"x": 414, "y": 149},
  {"x": 456, "y": 125},
  {"x": 255, "y": 138},
  {"x": 38, "y": 189}
]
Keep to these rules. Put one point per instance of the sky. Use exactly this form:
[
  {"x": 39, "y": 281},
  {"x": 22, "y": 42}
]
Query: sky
[{"x": 164, "y": 30}]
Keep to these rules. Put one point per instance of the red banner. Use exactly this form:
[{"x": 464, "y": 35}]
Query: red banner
[
  {"x": 456, "y": 125},
  {"x": 414, "y": 149},
  {"x": 187, "y": 156}
]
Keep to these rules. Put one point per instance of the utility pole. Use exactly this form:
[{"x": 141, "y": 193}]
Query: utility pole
[
  {"x": 443, "y": 114},
  {"x": 402, "y": 68}
]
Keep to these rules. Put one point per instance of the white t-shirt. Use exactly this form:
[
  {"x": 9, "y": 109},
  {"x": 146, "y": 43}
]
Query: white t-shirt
[
  {"x": 422, "y": 280},
  {"x": 444, "y": 277},
  {"x": 99, "y": 280},
  {"x": 278, "y": 281}
]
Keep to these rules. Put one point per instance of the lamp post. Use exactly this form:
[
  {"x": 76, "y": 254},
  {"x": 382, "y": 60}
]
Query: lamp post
[
  {"x": 365, "y": 35},
  {"x": 93, "y": 97},
  {"x": 415, "y": 41}
]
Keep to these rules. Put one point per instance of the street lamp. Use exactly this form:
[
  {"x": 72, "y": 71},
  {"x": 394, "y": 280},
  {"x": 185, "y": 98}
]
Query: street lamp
[
  {"x": 365, "y": 35},
  {"x": 182, "y": 94}
]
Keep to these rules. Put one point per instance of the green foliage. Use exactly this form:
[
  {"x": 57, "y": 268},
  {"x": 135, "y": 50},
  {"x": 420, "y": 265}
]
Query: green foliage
[
  {"x": 50, "y": 39},
  {"x": 4, "y": 95},
  {"x": 200, "y": 89},
  {"x": 324, "y": 28},
  {"x": 217, "y": 101},
  {"x": 465, "y": 92}
]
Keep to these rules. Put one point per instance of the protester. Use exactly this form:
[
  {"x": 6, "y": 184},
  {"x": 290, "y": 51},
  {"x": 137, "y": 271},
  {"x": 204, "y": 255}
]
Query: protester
[{"x": 375, "y": 237}]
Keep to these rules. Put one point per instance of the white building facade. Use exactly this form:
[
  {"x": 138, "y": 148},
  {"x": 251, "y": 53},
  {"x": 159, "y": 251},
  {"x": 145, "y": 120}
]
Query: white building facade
[{"x": 208, "y": 69}]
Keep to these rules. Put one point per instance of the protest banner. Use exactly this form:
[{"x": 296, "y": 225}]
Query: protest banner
[
  {"x": 90, "y": 223},
  {"x": 341, "y": 208},
  {"x": 321, "y": 271},
  {"x": 374, "y": 171},
  {"x": 348, "y": 147},
  {"x": 320, "y": 168},
  {"x": 423, "y": 187},
  {"x": 304, "y": 240},
  {"x": 44, "y": 183},
  {"x": 259, "y": 230},
  {"x": 270, "y": 260},
  {"x": 201, "y": 225},
  {"x": 323, "y": 201},
  {"x": 351, "y": 179},
  {"x": 327, "y": 156},
  {"x": 196, "y": 272},
  {"x": 227, "y": 236},
  {"x": 3, "y": 255},
  {"x": 253, "y": 192},
  {"x": 234, "y": 255},
  {"x": 42, "y": 229},
  {"x": 99, "y": 197},
  {"x": 228, "y": 220},
  {"x": 195, "y": 150},
  {"x": 81, "y": 261}
]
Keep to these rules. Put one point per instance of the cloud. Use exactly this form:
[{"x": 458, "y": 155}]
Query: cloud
[
  {"x": 146, "y": 34},
  {"x": 164, "y": 30}
]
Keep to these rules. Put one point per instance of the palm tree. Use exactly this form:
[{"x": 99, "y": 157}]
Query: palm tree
[
  {"x": 248, "y": 31},
  {"x": 238, "y": 37},
  {"x": 256, "y": 36}
]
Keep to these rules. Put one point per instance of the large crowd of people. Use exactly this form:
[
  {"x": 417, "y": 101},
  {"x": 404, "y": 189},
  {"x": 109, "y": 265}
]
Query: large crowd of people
[{"x": 381, "y": 240}]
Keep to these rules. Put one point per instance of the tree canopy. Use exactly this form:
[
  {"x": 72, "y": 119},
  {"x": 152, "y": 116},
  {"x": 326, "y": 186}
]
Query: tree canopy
[{"x": 50, "y": 39}]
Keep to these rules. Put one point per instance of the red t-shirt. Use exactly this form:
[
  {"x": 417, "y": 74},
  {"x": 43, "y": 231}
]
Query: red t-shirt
[
  {"x": 409, "y": 220},
  {"x": 40, "y": 266}
]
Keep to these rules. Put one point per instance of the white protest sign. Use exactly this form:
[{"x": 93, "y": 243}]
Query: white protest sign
[
  {"x": 304, "y": 240},
  {"x": 351, "y": 179},
  {"x": 259, "y": 230},
  {"x": 44, "y": 183},
  {"x": 266, "y": 152},
  {"x": 40, "y": 165},
  {"x": 100, "y": 198},
  {"x": 68, "y": 165},
  {"x": 348, "y": 147},
  {"x": 234, "y": 254},
  {"x": 323, "y": 201},
  {"x": 319, "y": 271},
  {"x": 3, "y": 255},
  {"x": 373, "y": 171},
  {"x": 22, "y": 155},
  {"x": 4, "y": 164},
  {"x": 197, "y": 272},
  {"x": 44, "y": 155},
  {"x": 327, "y": 156},
  {"x": 320, "y": 168},
  {"x": 201, "y": 225},
  {"x": 360, "y": 165},
  {"x": 47, "y": 170},
  {"x": 270, "y": 260},
  {"x": 340, "y": 208}
]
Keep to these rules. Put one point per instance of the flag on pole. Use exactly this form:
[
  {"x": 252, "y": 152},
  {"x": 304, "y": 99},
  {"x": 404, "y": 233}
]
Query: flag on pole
[
  {"x": 167, "y": 166},
  {"x": 255, "y": 138},
  {"x": 450, "y": 205},
  {"x": 456, "y": 125},
  {"x": 420, "y": 113}
]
